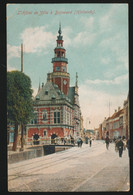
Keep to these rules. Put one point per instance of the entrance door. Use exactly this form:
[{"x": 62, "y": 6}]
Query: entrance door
[
  {"x": 35, "y": 138},
  {"x": 53, "y": 136}
]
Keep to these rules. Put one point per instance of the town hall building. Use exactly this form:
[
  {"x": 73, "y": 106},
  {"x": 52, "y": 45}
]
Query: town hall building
[{"x": 56, "y": 106}]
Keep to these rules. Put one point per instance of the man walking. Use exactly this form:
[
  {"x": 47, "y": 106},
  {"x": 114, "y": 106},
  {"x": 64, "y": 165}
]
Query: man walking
[
  {"x": 128, "y": 147},
  {"x": 120, "y": 146},
  {"x": 90, "y": 141},
  {"x": 78, "y": 142},
  {"x": 107, "y": 140}
]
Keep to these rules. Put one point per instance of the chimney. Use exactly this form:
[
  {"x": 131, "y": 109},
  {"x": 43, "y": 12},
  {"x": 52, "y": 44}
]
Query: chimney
[
  {"x": 42, "y": 85},
  {"x": 119, "y": 108},
  {"x": 115, "y": 111}
]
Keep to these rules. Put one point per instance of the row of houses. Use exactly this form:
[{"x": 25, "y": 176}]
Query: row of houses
[{"x": 115, "y": 125}]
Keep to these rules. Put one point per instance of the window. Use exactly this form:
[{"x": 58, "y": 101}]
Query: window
[
  {"x": 53, "y": 97},
  {"x": 63, "y": 68},
  {"x": 57, "y": 68},
  {"x": 45, "y": 133},
  {"x": 34, "y": 120},
  {"x": 44, "y": 115},
  {"x": 121, "y": 121},
  {"x": 11, "y": 137},
  {"x": 115, "y": 125},
  {"x": 67, "y": 117},
  {"x": 56, "y": 117},
  {"x": 46, "y": 92}
]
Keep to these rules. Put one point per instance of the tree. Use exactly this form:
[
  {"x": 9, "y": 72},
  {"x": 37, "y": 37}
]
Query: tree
[{"x": 19, "y": 101}]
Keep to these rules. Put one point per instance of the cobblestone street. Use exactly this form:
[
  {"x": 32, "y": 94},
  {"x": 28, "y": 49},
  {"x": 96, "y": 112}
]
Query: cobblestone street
[{"x": 77, "y": 169}]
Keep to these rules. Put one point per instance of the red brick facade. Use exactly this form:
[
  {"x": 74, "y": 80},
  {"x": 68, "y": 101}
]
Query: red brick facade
[{"x": 55, "y": 113}]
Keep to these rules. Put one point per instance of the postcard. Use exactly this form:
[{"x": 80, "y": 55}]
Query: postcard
[{"x": 68, "y": 97}]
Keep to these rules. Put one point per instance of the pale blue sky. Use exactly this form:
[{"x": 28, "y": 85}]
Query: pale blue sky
[{"x": 96, "y": 46}]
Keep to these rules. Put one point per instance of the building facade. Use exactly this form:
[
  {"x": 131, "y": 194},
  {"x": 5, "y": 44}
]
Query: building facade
[
  {"x": 126, "y": 117},
  {"x": 100, "y": 131},
  {"x": 57, "y": 111},
  {"x": 82, "y": 128},
  {"x": 118, "y": 124},
  {"x": 114, "y": 126}
]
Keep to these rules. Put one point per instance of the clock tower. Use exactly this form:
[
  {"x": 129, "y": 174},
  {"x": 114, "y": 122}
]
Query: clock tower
[{"x": 59, "y": 76}]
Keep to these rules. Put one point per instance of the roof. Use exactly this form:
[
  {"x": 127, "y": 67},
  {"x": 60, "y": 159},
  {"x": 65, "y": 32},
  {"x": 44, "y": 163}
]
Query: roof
[
  {"x": 51, "y": 91},
  {"x": 117, "y": 114},
  {"x": 71, "y": 93},
  {"x": 108, "y": 118},
  {"x": 48, "y": 91}
]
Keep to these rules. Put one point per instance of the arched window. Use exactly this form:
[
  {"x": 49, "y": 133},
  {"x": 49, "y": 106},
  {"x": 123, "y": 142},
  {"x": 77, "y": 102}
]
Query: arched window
[{"x": 45, "y": 133}]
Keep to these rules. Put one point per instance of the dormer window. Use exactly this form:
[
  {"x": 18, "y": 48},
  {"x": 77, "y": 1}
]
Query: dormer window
[
  {"x": 46, "y": 92},
  {"x": 37, "y": 98},
  {"x": 53, "y": 97}
]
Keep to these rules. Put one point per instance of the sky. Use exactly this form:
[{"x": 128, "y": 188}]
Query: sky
[{"x": 96, "y": 42}]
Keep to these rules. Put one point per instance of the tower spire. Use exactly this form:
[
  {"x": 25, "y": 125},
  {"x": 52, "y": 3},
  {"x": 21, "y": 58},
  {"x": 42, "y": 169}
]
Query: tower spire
[
  {"x": 59, "y": 31},
  {"x": 60, "y": 76}
]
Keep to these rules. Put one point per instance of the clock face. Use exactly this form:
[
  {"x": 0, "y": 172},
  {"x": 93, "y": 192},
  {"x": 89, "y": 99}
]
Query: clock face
[{"x": 65, "y": 82}]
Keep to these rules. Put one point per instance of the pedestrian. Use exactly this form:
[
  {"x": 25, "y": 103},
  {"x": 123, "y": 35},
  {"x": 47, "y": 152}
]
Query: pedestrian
[
  {"x": 124, "y": 142},
  {"x": 128, "y": 147},
  {"x": 116, "y": 149},
  {"x": 78, "y": 142},
  {"x": 86, "y": 139},
  {"x": 90, "y": 141},
  {"x": 81, "y": 142},
  {"x": 72, "y": 140},
  {"x": 107, "y": 140},
  {"x": 120, "y": 146}
]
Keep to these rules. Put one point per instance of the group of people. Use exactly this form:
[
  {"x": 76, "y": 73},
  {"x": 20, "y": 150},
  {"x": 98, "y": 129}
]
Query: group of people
[
  {"x": 80, "y": 142},
  {"x": 120, "y": 144}
]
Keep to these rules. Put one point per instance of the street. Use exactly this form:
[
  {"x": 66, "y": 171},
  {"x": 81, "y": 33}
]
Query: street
[{"x": 84, "y": 169}]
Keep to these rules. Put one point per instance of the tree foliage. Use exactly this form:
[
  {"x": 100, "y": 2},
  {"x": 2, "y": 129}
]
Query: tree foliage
[{"x": 19, "y": 97}]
